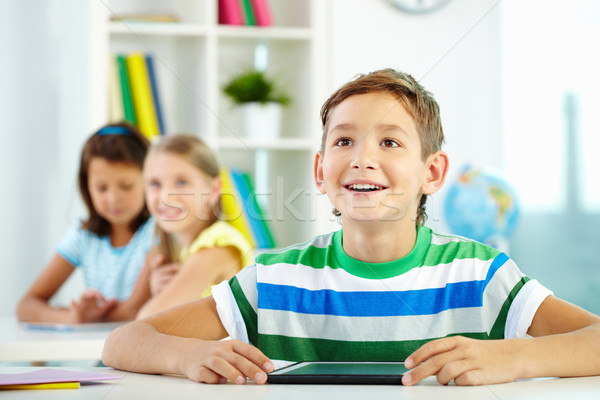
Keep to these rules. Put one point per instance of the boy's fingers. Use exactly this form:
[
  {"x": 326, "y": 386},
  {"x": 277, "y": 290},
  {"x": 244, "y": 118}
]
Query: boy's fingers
[
  {"x": 243, "y": 360},
  {"x": 253, "y": 354},
  {"x": 233, "y": 370},
  {"x": 245, "y": 369},
  {"x": 429, "y": 350},
  {"x": 452, "y": 370},
  {"x": 428, "y": 359},
  {"x": 418, "y": 374},
  {"x": 206, "y": 375}
]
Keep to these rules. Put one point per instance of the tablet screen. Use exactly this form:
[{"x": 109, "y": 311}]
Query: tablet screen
[{"x": 340, "y": 373}]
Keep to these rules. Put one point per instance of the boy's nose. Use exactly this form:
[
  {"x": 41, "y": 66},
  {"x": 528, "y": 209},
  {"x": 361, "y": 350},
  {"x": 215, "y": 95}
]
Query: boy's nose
[{"x": 364, "y": 157}]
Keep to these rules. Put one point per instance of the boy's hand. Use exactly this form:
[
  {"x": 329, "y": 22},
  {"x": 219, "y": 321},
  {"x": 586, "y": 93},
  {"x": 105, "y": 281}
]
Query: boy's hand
[
  {"x": 161, "y": 274},
  {"x": 217, "y": 362},
  {"x": 92, "y": 307},
  {"x": 466, "y": 361}
]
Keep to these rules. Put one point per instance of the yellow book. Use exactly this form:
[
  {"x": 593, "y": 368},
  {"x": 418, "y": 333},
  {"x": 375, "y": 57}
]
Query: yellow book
[
  {"x": 39, "y": 386},
  {"x": 232, "y": 207},
  {"x": 141, "y": 91}
]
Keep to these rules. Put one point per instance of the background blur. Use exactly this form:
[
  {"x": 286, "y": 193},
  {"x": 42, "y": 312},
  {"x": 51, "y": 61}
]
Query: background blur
[{"x": 517, "y": 82}]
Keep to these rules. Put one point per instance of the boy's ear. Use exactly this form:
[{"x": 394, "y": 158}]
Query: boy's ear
[
  {"x": 437, "y": 165},
  {"x": 318, "y": 169}
]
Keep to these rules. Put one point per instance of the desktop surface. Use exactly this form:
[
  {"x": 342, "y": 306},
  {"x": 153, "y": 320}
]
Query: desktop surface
[
  {"x": 42, "y": 342},
  {"x": 147, "y": 387}
]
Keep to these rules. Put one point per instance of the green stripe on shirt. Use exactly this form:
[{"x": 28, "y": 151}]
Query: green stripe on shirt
[
  {"x": 301, "y": 349},
  {"x": 248, "y": 313},
  {"x": 449, "y": 252},
  {"x": 497, "y": 331}
]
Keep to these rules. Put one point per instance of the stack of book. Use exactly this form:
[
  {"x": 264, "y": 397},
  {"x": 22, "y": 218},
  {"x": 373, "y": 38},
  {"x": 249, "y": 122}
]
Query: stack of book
[
  {"x": 134, "y": 93},
  {"x": 242, "y": 210},
  {"x": 245, "y": 12}
]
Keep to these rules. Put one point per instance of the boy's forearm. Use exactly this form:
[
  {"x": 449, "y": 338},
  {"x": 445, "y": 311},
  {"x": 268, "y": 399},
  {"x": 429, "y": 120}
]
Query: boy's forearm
[
  {"x": 139, "y": 347},
  {"x": 570, "y": 354}
]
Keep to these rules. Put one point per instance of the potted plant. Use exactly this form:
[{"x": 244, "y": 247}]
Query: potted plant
[{"x": 260, "y": 103}]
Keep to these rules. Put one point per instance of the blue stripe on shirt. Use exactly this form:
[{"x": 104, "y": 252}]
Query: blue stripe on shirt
[{"x": 377, "y": 304}]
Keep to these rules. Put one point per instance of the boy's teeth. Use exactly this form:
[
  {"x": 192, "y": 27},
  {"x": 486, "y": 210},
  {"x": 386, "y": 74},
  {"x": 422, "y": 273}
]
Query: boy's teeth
[{"x": 363, "y": 186}]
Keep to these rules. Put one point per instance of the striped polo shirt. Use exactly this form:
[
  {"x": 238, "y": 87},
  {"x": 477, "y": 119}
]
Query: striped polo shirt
[{"x": 314, "y": 302}]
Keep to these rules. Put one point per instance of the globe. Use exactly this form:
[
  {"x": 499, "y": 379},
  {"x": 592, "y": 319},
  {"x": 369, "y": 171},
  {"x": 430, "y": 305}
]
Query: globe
[{"x": 481, "y": 205}]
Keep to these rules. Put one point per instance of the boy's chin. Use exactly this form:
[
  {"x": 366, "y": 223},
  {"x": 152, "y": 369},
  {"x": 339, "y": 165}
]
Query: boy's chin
[
  {"x": 374, "y": 213},
  {"x": 373, "y": 217}
]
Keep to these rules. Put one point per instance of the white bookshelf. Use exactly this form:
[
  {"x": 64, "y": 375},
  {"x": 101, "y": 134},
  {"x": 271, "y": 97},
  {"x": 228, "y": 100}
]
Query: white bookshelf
[{"x": 193, "y": 59}]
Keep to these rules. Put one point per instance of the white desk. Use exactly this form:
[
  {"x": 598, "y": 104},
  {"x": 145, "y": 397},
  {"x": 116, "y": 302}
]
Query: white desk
[
  {"x": 147, "y": 387},
  {"x": 18, "y": 344}
]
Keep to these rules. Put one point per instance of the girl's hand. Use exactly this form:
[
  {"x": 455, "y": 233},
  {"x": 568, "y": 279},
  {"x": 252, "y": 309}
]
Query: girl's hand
[
  {"x": 217, "y": 362},
  {"x": 466, "y": 361},
  {"x": 92, "y": 307},
  {"x": 161, "y": 274}
]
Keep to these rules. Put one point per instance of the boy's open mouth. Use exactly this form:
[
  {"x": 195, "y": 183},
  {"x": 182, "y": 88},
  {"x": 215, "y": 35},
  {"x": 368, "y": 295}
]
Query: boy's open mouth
[{"x": 364, "y": 187}]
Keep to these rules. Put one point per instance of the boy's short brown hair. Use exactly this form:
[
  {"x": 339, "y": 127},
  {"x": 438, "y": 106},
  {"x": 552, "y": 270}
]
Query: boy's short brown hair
[{"x": 417, "y": 101}]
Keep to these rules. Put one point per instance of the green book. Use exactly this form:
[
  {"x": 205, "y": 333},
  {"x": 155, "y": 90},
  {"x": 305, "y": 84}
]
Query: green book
[
  {"x": 248, "y": 12},
  {"x": 126, "y": 90},
  {"x": 261, "y": 216}
]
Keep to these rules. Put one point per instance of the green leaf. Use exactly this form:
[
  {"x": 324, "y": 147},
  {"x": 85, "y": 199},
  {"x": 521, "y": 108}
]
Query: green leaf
[{"x": 254, "y": 86}]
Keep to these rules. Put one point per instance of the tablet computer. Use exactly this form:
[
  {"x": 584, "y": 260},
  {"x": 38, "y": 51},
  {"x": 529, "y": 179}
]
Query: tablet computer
[{"x": 344, "y": 373}]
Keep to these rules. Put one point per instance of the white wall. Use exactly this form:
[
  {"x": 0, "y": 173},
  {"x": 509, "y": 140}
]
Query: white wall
[
  {"x": 40, "y": 139},
  {"x": 28, "y": 75},
  {"x": 454, "y": 52}
]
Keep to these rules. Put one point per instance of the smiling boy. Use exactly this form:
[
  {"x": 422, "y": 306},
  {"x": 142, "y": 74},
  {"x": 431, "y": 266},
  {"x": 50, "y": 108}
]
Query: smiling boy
[{"x": 384, "y": 287}]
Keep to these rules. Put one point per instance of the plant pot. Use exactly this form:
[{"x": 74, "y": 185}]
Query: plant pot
[{"x": 261, "y": 121}]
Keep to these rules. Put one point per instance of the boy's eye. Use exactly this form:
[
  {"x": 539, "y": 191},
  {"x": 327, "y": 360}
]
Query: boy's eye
[
  {"x": 154, "y": 184},
  {"x": 343, "y": 142},
  {"x": 181, "y": 182},
  {"x": 390, "y": 143},
  {"x": 127, "y": 186},
  {"x": 102, "y": 188}
]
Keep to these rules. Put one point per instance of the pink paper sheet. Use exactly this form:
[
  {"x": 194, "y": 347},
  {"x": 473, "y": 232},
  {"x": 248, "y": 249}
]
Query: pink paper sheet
[{"x": 51, "y": 375}]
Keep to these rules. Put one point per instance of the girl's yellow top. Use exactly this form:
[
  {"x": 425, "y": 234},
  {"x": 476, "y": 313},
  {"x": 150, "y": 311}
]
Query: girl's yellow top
[{"x": 219, "y": 234}]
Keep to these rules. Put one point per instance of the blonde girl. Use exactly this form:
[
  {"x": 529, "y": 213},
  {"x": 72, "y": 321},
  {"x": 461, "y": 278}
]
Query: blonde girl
[{"x": 195, "y": 249}]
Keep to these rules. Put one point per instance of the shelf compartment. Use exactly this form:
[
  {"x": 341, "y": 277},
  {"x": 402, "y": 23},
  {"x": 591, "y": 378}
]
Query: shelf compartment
[
  {"x": 292, "y": 144},
  {"x": 157, "y": 28},
  {"x": 271, "y": 33}
]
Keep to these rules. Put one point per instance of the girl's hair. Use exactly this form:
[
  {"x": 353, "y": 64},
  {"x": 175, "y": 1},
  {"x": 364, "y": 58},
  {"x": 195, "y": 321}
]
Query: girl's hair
[
  {"x": 194, "y": 151},
  {"x": 119, "y": 143},
  {"x": 417, "y": 101}
]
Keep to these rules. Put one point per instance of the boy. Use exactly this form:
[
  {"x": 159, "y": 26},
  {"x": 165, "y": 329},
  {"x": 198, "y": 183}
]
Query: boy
[{"x": 385, "y": 287}]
